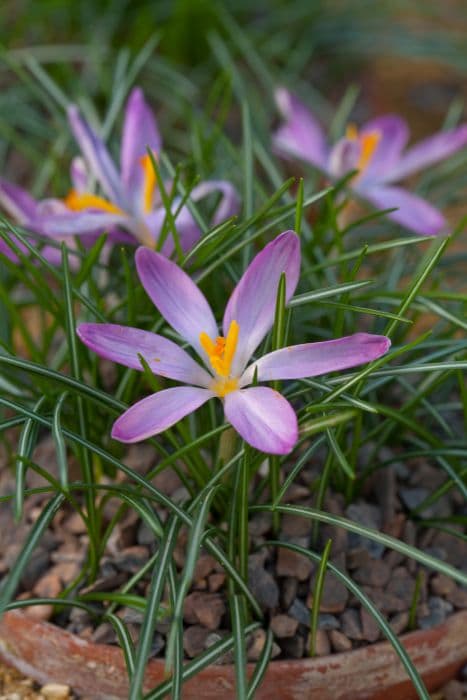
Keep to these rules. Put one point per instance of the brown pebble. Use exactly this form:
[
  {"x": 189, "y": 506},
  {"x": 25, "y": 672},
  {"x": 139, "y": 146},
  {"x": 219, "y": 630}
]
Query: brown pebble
[
  {"x": 458, "y": 597},
  {"x": 334, "y": 596},
  {"x": 295, "y": 525},
  {"x": 370, "y": 628},
  {"x": 288, "y": 591},
  {"x": 205, "y": 565},
  {"x": 55, "y": 691},
  {"x": 375, "y": 573},
  {"x": 350, "y": 623},
  {"x": 357, "y": 557},
  {"x": 291, "y": 563},
  {"x": 41, "y": 613},
  {"x": 454, "y": 690},
  {"x": 284, "y": 626},
  {"x": 48, "y": 586},
  {"x": 194, "y": 640},
  {"x": 75, "y": 524},
  {"x": 206, "y": 609},
  {"x": 322, "y": 643},
  {"x": 293, "y": 647},
  {"x": 339, "y": 641},
  {"x": 256, "y": 644},
  {"x": 442, "y": 585},
  {"x": 399, "y": 622},
  {"x": 66, "y": 571},
  {"x": 216, "y": 582}
]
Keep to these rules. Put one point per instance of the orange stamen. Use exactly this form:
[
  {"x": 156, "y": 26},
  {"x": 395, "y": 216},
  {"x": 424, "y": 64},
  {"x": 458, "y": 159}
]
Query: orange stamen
[
  {"x": 77, "y": 201},
  {"x": 221, "y": 351},
  {"x": 149, "y": 183}
]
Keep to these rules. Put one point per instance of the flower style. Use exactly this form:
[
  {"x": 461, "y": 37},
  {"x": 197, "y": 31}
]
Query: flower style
[
  {"x": 377, "y": 152},
  {"x": 130, "y": 208},
  {"x": 262, "y": 417}
]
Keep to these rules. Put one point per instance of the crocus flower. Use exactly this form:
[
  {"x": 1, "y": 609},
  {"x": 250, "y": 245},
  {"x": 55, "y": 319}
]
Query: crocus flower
[
  {"x": 261, "y": 415},
  {"x": 129, "y": 199},
  {"x": 377, "y": 151}
]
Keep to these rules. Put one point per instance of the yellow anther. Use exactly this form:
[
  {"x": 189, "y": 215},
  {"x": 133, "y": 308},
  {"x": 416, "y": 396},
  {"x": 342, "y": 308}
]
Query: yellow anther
[
  {"x": 149, "y": 183},
  {"x": 221, "y": 351},
  {"x": 222, "y": 387},
  {"x": 368, "y": 143},
  {"x": 86, "y": 200},
  {"x": 351, "y": 132}
]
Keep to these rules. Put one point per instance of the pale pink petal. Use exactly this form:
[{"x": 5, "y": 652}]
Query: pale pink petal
[
  {"x": 79, "y": 175},
  {"x": 176, "y": 296},
  {"x": 157, "y": 412},
  {"x": 414, "y": 213},
  {"x": 301, "y": 135},
  {"x": 73, "y": 223},
  {"x": 17, "y": 202},
  {"x": 313, "y": 359},
  {"x": 229, "y": 203},
  {"x": 253, "y": 301},
  {"x": 124, "y": 345},
  {"x": 428, "y": 152},
  {"x": 263, "y": 418},
  {"x": 393, "y": 135}
]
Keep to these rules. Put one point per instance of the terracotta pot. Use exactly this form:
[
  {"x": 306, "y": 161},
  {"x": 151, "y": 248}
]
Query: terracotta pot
[{"x": 48, "y": 653}]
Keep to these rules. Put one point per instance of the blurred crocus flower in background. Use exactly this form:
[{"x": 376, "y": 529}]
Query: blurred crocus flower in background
[
  {"x": 377, "y": 152},
  {"x": 128, "y": 205},
  {"x": 262, "y": 416}
]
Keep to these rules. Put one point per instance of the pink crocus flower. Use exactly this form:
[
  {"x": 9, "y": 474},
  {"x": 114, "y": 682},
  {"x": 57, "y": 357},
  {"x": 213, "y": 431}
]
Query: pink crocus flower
[
  {"x": 128, "y": 206},
  {"x": 261, "y": 415},
  {"x": 377, "y": 151}
]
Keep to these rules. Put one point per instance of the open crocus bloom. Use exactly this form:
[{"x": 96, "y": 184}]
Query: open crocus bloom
[
  {"x": 129, "y": 200},
  {"x": 377, "y": 152},
  {"x": 263, "y": 417}
]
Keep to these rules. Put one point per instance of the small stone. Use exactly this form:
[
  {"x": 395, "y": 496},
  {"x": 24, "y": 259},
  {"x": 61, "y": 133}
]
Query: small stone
[
  {"x": 402, "y": 585},
  {"x": 328, "y": 622},
  {"x": 104, "y": 634},
  {"x": 458, "y": 597},
  {"x": 131, "y": 559},
  {"x": 290, "y": 563},
  {"x": 300, "y": 612},
  {"x": 194, "y": 639},
  {"x": 375, "y": 573},
  {"x": 293, "y": 647},
  {"x": 256, "y": 644},
  {"x": 384, "y": 601},
  {"x": 295, "y": 526},
  {"x": 205, "y": 565},
  {"x": 350, "y": 624},
  {"x": 370, "y": 628},
  {"x": 435, "y": 613},
  {"x": 216, "y": 582},
  {"x": 37, "y": 565},
  {"x": 288, "y": 591},
  {"x": 454, "y": 690},
  {"x": 158, "y": 644},
  {"x": 370, "y": 516},
  {"x": 75, "y": 524},
  {"x": 399, "y": 622},
  {"x": 322, "y": 643},
  {"x": 206, "y": 609},
  {"x": 412, "y": 498},
  {"x": 357, "y": 558},
  {"x": 67, "y": 571},
  {"x": 48, "y": 586},
  {"x": 442, "y": 585},
  {"x": 259, "y": 524},
  {"x": 144, "y": 535},
  {"x": 339, "y": 641},
  {"x": 334, "y": 596},
  {"x": 393, "y": 558},
  {"x": 41, "y": 613},
  {"x": 284, "y": 626},
  {"x": 385, "y": 489},
  {"x": 262, "y": 585},
  {"x": 55, "y": 691}
]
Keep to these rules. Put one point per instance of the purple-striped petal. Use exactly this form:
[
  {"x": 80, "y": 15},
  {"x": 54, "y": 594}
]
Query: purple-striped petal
[
  {"x": 313, "y": 359},
  {"x": 229, "y": 204},
  {"x": 17, "y": 202},
  {"x": 253, "y": 300},
  {"x": 96, "y": 156},
  {"x": 414, "y": 213},
  {"x": 393, "y": 137},
  {"x": 122, "y": 344},
  {"x": 140, "y": 132},
  {"x": 176, "y": 296},
  {"x": 301, "y": 135},
  {"x": 187, "y": 228},
  {"x": 343, "y": 157},
  {"x": 74, "y": 223},
  {"x": 263, "y": 418},
  {"x": 157, "y": 412},
  {"x": 429, "y": 151},
  {"x": 79, "y": 175}
]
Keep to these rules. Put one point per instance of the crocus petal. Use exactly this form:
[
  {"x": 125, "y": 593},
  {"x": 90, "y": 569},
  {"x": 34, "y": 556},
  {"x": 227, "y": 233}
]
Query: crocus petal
[
  {"x": 122, "y": 344},
  {"x": 84, "y": 222},
  {"x": 429, "y": 151},
  {"x": 176, "y": 296},
  {"x": 17, "y": 202},
  {"x": 393, "y": 136},
  {"x": 301, "y": 136},
  {"x": 229, "y": 204},
  {"x": 413, "y": 212},
  {"x": 140, "y": 132},
  {"x": 263, "y": 418},
  {"x": 79, "y": 175},
  {"x": 343, "y": 158},
  {"x": 96, "y": 155},
  {"x": 313, "y": 359},
  {"x": 253, "y": 301},
  {"x": 157, "y": 412}
]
